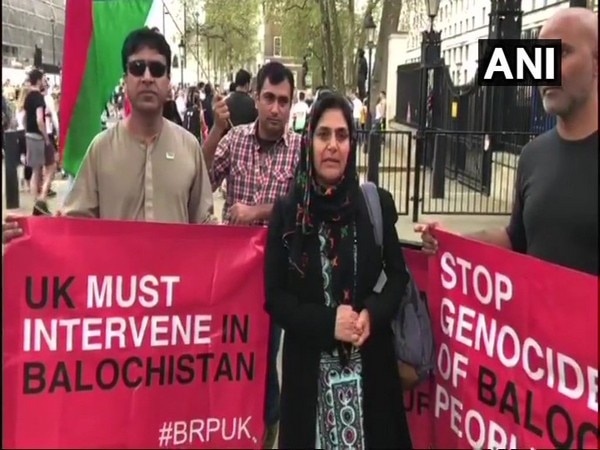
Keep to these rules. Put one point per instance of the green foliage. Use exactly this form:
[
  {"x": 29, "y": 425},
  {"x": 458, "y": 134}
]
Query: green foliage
[
  {"x": 228, "y": 33},
  {"x": 327, "y": 32},
  {"x": 310, "y": 27}
]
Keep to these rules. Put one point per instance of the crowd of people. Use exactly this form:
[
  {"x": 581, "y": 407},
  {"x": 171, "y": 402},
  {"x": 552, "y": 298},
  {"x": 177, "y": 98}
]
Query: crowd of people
[
  {"x": 33, "y": 109},
  {"x": 321, "y": 260}
]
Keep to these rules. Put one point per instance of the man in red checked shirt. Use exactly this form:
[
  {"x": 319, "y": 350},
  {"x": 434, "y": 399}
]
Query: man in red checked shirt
[{"x": 257, "y": 161}]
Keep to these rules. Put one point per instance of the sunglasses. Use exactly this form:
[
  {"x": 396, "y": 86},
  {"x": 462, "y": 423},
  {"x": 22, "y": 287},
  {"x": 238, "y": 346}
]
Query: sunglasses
[{"x": 138, "y": 67}]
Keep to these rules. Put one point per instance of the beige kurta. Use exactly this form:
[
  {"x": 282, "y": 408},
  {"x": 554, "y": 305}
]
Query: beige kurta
[{"x": 122, "y": 178}]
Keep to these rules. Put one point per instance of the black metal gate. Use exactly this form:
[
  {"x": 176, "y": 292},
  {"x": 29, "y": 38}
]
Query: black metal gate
[
  {"x": 472, "y": 172},
  {"x": 396, "y": 163}
]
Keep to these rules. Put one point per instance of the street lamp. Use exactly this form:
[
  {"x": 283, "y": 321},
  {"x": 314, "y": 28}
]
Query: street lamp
[
  {"x": 53, "y": 43},
  {"x": 430, "y": 58},
  {"x": 372, "y": 145},
  {"x": 433, "y": 7},
  {"x": 370, "y": 28},
  {"x": 181, "y": 56}
]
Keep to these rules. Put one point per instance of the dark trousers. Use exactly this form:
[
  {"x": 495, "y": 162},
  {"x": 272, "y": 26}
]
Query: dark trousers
[
  {"x": 23, "y": 151},
  {"x": 27, "y": 173},
  {"x": 272, "y": 394}
]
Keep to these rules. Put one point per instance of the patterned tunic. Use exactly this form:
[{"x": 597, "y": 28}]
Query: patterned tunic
[{"x": 340, "y": 395}]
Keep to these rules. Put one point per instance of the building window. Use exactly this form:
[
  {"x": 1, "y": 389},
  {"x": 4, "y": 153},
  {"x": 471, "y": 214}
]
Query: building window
[
  {"x": 277, "y": 46},
  {"x": 484, "y": 16},
  {"x": 10, "y": 51}
]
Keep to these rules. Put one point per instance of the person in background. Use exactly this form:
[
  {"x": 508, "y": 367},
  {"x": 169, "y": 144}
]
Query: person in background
[
  {"x": 170, "y": 111},
  {"x": 555, "y": 211},
  {"x": 321, "y": 268},
  {"x": 52, "y": 130},
  {"x": 6, "y": 114},
  {"x": 145, "y": 168},
  {"x": 357, "y": 112},
  {"x": 192, "y": 120},
  {"x": 241, "y": 106},
  {"x": 231, "y": 89},
  {"x": 201, "y": 90},
  {"x": 21, "y": 142},
  {"x": 7, "y": 118},
  {"x": 207, "y": 106},
  {"x": 38, "y": 141},
  {"x": 300, "y": 113},
  {"x": 180, "y": 102},
  {"x": 380, "y": 113},
  {"x": 356, "y": 109}
]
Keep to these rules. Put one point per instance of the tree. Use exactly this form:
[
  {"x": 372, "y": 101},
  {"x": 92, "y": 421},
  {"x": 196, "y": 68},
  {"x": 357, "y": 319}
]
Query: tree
[
  {"x": 323, "y": 30},
  {"x": 227, "y": 37},
  {"x": 390, "y": 17}
]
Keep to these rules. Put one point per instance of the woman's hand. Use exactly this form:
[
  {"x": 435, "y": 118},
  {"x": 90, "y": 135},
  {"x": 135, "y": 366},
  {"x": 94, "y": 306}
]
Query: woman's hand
[
  {"x": 345, "y": 324},
  {"x": 363, "y": 328}
]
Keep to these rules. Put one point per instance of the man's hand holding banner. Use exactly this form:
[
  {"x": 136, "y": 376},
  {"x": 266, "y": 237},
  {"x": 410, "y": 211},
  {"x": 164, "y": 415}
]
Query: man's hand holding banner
[{"x": 517, "y": 343}]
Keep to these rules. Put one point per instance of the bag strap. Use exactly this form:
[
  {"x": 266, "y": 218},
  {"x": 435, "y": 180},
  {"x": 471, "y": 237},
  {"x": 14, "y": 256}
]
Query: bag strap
[{"x": 371, "y": 196}]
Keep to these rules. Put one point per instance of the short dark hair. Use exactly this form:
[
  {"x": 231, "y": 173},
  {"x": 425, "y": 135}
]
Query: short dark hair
[
  {"x": 276, "y": 73},
  {"x": 242, "y": 78},
  {"x": 145, "y": 38},
  {"x": 35, "y": 76},
  {"x": 301, "y": 96}
]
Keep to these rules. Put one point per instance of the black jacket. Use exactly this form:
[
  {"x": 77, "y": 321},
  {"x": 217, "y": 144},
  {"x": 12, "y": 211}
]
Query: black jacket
[{"x": 298, "y": 306}]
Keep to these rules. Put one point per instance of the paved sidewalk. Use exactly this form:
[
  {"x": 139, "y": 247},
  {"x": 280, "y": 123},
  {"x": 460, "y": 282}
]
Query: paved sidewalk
[{"x": 456, "y": 223}]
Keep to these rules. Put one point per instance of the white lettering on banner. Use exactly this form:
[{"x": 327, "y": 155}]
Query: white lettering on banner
[
  {"x": 487, "y": 287},
  {"x": 186, "y": 432},
  {"x": 472, "y": 296},
  {"x": 475, "y": 330},
  {"x": 94, "y": 333},
  {"x": 147, "y": 291},
  {"x": 496, "y": 436},
  {"x": 478, "y": 433},
  {"x": 449, "y": 366}
]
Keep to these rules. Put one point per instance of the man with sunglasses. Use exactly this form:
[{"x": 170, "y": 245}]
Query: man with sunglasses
[{"x": 144, "y": 168}]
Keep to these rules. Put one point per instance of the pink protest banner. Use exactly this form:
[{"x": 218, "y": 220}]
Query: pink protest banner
[
  {"x": 517, "y": 343},
  {"x": 134, "y": 335}
]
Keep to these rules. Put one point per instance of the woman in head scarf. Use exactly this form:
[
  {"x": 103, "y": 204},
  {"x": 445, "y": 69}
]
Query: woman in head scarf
[
  {"x": 340, "y": 383},
  {"x": 170, "y": 111}
]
